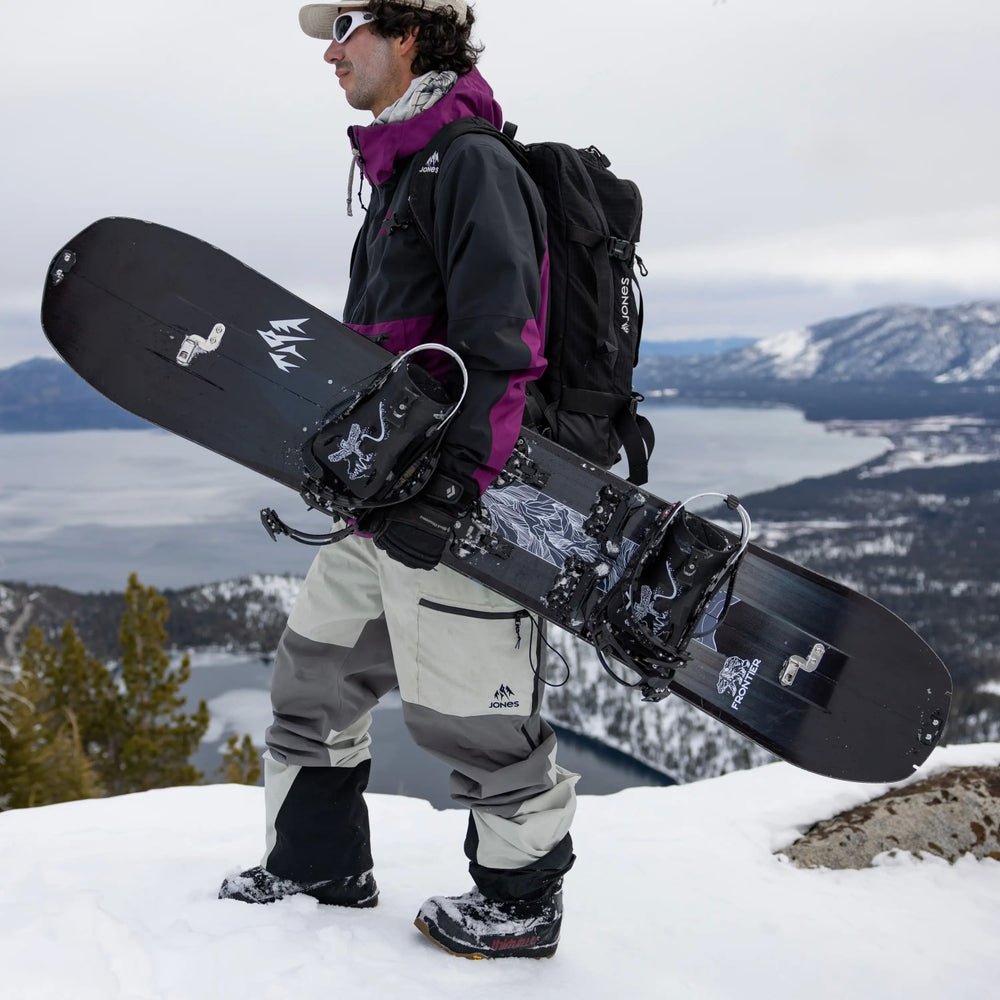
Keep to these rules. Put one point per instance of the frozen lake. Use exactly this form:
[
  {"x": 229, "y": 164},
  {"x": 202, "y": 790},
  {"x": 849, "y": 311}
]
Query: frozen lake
[{"x": 84, "y": 509}]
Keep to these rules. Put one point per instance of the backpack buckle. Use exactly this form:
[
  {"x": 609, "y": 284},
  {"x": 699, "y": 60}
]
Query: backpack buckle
[{"x": 621, "y": 250}]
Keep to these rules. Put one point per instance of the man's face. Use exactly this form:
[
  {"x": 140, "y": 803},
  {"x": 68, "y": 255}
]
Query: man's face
[{"x": 373, "y": 71}]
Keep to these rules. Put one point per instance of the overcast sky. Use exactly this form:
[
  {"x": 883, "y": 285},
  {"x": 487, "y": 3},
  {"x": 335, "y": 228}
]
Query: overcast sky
[{"x": 799, "y": 159}]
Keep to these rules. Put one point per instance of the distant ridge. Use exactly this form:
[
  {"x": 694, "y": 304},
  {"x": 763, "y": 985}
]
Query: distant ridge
[
  {"x": 895, "y": 362},
  {"x": 946, "y": 345},
  {"x": 892, "y": 361},
  {"x": 44, "y": 394},
  {"x": 692, "y": 348}
]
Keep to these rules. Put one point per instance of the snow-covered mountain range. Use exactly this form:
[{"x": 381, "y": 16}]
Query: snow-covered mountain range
[{"x": 947, "y": 345}]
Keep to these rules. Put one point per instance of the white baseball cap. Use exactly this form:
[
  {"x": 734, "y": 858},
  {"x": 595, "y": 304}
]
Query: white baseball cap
[{"x": 317, "y": 19}]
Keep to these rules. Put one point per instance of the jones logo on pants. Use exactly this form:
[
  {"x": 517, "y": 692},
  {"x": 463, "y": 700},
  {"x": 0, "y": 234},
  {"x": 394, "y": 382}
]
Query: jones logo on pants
[{"x": 504, "y": 697}]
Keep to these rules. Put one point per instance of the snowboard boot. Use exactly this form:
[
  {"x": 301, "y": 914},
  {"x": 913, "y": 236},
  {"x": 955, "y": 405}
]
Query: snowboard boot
[
  {"x": 473, "y": 926},
  {"x": 258, "y": 885}
]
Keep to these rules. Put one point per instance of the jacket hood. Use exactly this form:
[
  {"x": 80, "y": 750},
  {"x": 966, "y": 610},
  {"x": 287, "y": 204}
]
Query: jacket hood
[{"x": 381, "y": 147}]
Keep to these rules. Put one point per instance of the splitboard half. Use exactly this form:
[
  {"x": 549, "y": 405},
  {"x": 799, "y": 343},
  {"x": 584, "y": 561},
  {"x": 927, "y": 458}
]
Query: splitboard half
[{"x": 189, "y": 338}]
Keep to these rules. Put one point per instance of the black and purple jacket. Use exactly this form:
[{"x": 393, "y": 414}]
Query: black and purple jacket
[{"x": 482, "y": 291}]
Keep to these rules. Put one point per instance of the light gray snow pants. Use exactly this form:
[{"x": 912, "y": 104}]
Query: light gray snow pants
[{"x": 462, "y": 658}]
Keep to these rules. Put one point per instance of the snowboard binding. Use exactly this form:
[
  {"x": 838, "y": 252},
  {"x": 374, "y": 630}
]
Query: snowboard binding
[
  {"x": 651, "y": 615},
  {"x": 378, "y": 446}
]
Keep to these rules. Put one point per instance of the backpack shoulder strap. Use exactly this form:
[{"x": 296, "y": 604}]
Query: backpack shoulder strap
[{"x": 426, "y": 165}]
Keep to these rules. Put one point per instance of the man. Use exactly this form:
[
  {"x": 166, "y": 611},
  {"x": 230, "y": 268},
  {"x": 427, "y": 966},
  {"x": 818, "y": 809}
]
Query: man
[{"x": 378, "y": 612}]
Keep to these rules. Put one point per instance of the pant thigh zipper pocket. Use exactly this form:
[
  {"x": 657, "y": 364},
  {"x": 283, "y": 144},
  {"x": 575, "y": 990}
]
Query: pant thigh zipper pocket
[{"x": 449, "y": 609}]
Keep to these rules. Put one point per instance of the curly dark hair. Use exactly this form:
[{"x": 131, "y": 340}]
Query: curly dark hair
[{"x": 442, "y": 43}]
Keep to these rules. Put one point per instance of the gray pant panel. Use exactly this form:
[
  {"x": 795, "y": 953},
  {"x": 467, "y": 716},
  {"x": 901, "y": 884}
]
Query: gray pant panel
[
  {"x": 497, "y": 761},
  {"x": 319, "y": 690},
  {"x": 463, "y": 660}
]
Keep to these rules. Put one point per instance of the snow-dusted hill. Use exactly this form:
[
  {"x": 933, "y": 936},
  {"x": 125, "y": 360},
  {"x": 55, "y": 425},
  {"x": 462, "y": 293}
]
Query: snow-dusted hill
[
  {"x": 947, "y": 345},
  {"x": 954, "y": 344},
  {"x": 671, "y": 735},
  {"x": 676, "y": 893}
]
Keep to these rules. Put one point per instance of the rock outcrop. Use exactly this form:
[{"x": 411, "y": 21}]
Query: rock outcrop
[{"x": 950, "y": 814}]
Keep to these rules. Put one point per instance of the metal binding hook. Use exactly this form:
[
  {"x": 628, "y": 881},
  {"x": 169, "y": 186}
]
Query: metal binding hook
[
  {"x": 807, "y": 664},
  {"x": 195, "y": 345}
]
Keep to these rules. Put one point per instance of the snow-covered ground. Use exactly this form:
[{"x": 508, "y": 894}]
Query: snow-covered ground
[{"x": 677, "y": 893}]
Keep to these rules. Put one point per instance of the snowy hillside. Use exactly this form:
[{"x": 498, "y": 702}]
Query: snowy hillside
[
  {"x": 677, "y": 893},
  {"x": 954, "y": 344},
  {"x": 671, "y": 736}
]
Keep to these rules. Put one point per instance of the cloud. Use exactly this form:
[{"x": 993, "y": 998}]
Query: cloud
[
  {"x": 960, "y": 250},
  {"x": 794, "y": 142}
]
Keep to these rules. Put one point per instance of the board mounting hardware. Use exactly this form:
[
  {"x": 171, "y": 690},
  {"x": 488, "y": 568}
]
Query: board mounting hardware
[
  {"x": 195, "y": 345},
  {"x": 476, "y": 535},
  {"x": 806, "y": 664},
  {"x": 520, "y": 467},
  {"x": 936, "y": 730},
  {"x": 63, "y": 263},
  {"x": 574, "y": 583},
  {"x": 608, "y": 516}
]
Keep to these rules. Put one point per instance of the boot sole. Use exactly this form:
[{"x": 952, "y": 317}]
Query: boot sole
[
  {"x": 359, "y": 904},
  {"x": 478, "y": 956}
]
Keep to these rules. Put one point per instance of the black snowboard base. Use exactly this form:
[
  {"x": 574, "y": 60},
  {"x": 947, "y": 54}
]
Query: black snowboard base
[{"x": 185, "y": 336}]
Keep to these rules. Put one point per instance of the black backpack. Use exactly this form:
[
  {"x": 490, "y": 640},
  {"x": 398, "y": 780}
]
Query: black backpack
[{"x": 584, "y": 400}]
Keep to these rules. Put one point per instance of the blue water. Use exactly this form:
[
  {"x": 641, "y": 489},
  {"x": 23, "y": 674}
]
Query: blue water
[{"x": 82, "y": 510}]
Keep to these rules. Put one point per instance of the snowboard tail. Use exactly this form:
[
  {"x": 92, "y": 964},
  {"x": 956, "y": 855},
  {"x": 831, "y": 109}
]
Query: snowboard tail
[{"x": 186, "y": 336}]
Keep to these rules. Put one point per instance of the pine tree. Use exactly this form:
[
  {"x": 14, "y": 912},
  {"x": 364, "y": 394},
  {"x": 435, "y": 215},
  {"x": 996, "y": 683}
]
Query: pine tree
[
  {"x": 156, "y": 737},
  {"x": 71, "y": 728},
  {"x": 41, "y": 747},
  {"x": 240, "y": 762},
  {"x": 8, "y": 705},
  {"x": 84, "y": 685}
]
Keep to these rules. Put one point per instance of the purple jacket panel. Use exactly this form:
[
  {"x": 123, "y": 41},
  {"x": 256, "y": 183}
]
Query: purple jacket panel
[
  {"x": 380, "y": 148},
  {"x": 482, "y": 289}
]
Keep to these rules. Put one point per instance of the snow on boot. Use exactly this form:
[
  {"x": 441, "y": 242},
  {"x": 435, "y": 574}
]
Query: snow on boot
[
  {"x": 473, "y": 926},
  {"x": 258, "y": 885}
]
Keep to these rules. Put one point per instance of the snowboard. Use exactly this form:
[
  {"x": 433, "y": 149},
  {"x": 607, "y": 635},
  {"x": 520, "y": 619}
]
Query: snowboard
[{"x": 191, "y": 339}]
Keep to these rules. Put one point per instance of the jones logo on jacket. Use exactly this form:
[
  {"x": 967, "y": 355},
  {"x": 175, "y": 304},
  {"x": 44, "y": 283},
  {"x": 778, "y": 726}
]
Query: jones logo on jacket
[{"x": 433, "y": 165}]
